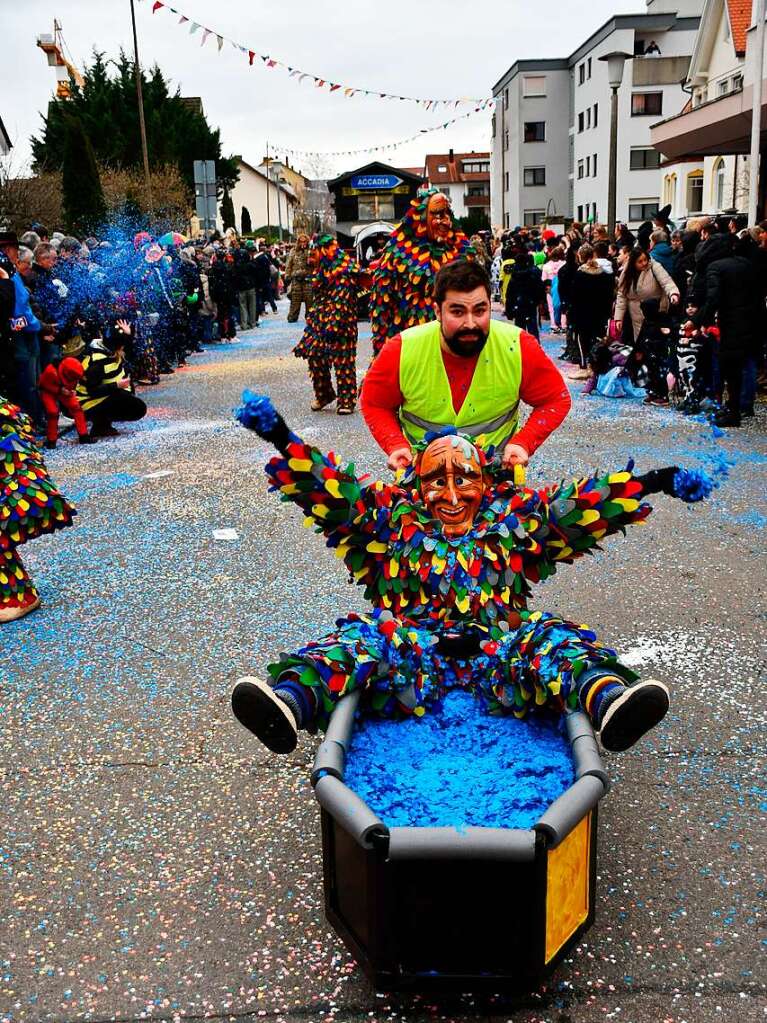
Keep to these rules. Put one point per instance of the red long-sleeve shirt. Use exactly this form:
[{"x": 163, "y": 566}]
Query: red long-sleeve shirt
[{"x": 541, "y": 387}]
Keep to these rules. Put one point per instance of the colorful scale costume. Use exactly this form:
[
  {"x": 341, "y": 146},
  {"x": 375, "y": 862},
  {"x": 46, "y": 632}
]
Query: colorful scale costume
[
  {"x": 330, "y": 336},
  {"x": 30, "y": 505},
  {"x": 401, "y": 293},
  {"x": 424, "y": 587}
]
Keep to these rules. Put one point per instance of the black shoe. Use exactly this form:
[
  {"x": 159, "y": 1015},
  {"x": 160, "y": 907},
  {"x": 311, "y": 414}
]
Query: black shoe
[
  {"x": 49, "y": 444},
  {"x": 85, "y": 438},
  {"x": 637, "y": 710},
  {"x": 727, "y": 418},
  {"x": 256, "y": 706}
]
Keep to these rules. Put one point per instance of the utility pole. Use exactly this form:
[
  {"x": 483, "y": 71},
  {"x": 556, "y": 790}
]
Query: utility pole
[
  {"x": 757, "y": 68},
  {"x": 268, "y": 179},
  {"x": 140, "y": 98}
]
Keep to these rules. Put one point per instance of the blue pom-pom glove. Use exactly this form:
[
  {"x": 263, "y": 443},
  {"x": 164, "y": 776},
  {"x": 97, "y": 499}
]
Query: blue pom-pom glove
[
  {"x": 258, "y": 414},
  {"x": 693, "y": 485},
  {"x": 689, "y": 485}
]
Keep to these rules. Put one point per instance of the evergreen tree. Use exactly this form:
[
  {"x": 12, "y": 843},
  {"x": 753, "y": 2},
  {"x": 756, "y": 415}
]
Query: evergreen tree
[
  {"x": 227, "y": 210},
  {"x": 177, "y": 131},
  {"x": 83, "y": 198},
  {"x": 247, "y": 225}
]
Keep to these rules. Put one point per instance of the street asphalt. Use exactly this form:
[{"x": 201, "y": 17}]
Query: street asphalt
[{"x": 156, "y": 863}]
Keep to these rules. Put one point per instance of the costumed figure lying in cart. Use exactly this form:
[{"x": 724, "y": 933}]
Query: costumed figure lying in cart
[{"x": 447, "y": 555}]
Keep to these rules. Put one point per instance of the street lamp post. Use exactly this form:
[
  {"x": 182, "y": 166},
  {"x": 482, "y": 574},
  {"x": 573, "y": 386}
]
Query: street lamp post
[
  {"x": 757, "y": 64},
  {"x": 615, "y": 63}
]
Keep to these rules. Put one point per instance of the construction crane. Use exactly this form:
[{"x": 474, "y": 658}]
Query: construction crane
[{"x": 53, "y": 47}]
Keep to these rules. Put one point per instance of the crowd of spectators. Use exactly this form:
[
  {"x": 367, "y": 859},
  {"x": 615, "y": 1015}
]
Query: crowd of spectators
[
  {"x": 85, "y": 323},
  {"x": 676, "y": 317}
]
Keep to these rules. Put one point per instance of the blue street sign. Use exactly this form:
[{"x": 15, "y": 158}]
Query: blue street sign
[{"x": 377, "y": 182}]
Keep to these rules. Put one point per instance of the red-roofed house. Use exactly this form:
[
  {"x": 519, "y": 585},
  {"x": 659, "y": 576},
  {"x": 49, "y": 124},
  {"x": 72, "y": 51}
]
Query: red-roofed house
[
  {"x": 706, "y": 145},
  {"x": 465, "y": 177}
]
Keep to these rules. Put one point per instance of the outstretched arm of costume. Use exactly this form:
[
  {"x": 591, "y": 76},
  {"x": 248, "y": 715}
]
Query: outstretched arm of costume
[
  {"x": 572, "y": 518},
  {"x": 340, "y": 505}
]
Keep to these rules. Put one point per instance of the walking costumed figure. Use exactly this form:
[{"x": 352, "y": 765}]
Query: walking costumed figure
[
  {"x": 401, "y": 292},
  {"x": 329, "y": 341},
  {"x": 30, "y": 505},
  {"x": 446, "y": 556}
]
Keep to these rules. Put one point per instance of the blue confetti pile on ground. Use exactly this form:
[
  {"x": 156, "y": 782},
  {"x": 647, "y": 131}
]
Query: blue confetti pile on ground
[{"x": 457, "y": 766}]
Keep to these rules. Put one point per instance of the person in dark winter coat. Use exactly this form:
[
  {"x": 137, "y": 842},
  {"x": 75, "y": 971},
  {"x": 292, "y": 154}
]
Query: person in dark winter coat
[
  {"x": 733, "y": 298},
  {"x": 713, "y": 245},
  {"x": 524, "y": 294},
  {"x": 591, "y": 301}
]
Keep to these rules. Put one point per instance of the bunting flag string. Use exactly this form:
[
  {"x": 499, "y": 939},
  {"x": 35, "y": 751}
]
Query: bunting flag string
[
  {"x": 383, "y": 147},
  {"x": 348, "y": 91}
]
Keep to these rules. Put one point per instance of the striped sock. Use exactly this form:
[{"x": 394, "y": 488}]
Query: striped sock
[
  {"x": 596, "y": 691},
  {"x": 299, "y": 698}
]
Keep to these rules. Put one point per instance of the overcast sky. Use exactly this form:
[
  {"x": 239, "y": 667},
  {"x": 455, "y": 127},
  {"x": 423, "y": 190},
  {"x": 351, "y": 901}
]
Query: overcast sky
[{"x": 460, "y": 49}]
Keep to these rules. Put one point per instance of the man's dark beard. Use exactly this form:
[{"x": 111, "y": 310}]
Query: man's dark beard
[{"x": 467, "y": 349}]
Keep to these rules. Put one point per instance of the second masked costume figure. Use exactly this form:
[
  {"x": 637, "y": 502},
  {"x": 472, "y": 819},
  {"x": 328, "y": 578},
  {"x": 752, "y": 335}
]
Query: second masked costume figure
[{"x": 329, "y": 341}]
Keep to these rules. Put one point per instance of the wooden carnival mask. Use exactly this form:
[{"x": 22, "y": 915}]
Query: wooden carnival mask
[
  {"x": 439, "y": 217},
  {"x": 451, "y": 483}
]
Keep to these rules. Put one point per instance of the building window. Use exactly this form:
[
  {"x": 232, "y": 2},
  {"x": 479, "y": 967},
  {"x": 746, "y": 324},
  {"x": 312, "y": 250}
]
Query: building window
[
  {"x": 580, "y": 214},
  {"x": 588, "y": 118},
  {"x": 644, "y": 159},
  {"x": 580, "y": 169},
  {"x": 737, "y": 83},
  {"x": 442, "y": 168},
  {"x": 695, "y": 192},
  {"x": 581, "y": 122},
  {"x": 506, "y": 97},
  {"x": 588, "y": 166},
  {"x": 594, "y": 211},
  {"x": 589, "y": 71},
  {"x": 669, "y": 190},
  {"x": 642, "y": 209},
  {"x": 535, "y": 176},
  {"x": 533, "y": 217},
  {"x": 534, "y": 85},
  {"x": 506, "y": 181},
  {"x": 493, "y": 124},
  {"x": 644, "y": 104},
  {"x": 596, "y": 114},
  {"x": 719, "y": 176},
  {"x": 375, "y": 207},
  {"x": 478, "y": 188},
  {"x": 723, "y": 88},
  {"x": 475, "y": 167},
  {"x": 506, "y": 221},
  {"x": 581, "y": 74},
  {"x": 506, "y": 138},
  {"x": 594, "y": 164},
  {"x": 535, "y": 131}
]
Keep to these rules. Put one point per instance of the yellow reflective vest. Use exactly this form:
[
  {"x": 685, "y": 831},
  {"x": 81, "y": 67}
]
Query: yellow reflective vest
[{"x": 490, "y": 410}]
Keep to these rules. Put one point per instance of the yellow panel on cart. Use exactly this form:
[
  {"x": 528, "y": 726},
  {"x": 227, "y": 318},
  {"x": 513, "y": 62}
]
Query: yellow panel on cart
[{"x": 567, "y": 888}]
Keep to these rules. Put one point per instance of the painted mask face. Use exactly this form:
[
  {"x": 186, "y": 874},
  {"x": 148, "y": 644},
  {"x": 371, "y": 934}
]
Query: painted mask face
[
  {"x": 451, "y": 483},
  {"x": 439, "y": 219}
]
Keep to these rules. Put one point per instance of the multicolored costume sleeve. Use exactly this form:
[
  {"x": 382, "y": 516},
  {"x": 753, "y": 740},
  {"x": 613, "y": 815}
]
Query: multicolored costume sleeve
[
  {"x": 401, "y": 292},
  {"x": 569, "y": 520},
  {"x": 30, "y": 505}
]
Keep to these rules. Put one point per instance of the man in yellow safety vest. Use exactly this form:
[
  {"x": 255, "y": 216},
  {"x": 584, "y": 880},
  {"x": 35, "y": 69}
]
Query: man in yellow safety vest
[{"x": 463, "y": 370}]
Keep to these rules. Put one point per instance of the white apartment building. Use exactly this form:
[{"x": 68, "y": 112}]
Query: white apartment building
[
  {"x": 709, "y": 172},
  {"x": 551, "y": 130}
]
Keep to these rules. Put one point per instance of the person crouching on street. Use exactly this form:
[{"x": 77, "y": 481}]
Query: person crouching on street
[
  {"x": 105, "y": 391},
  {"x": 57, "y": 386}
]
